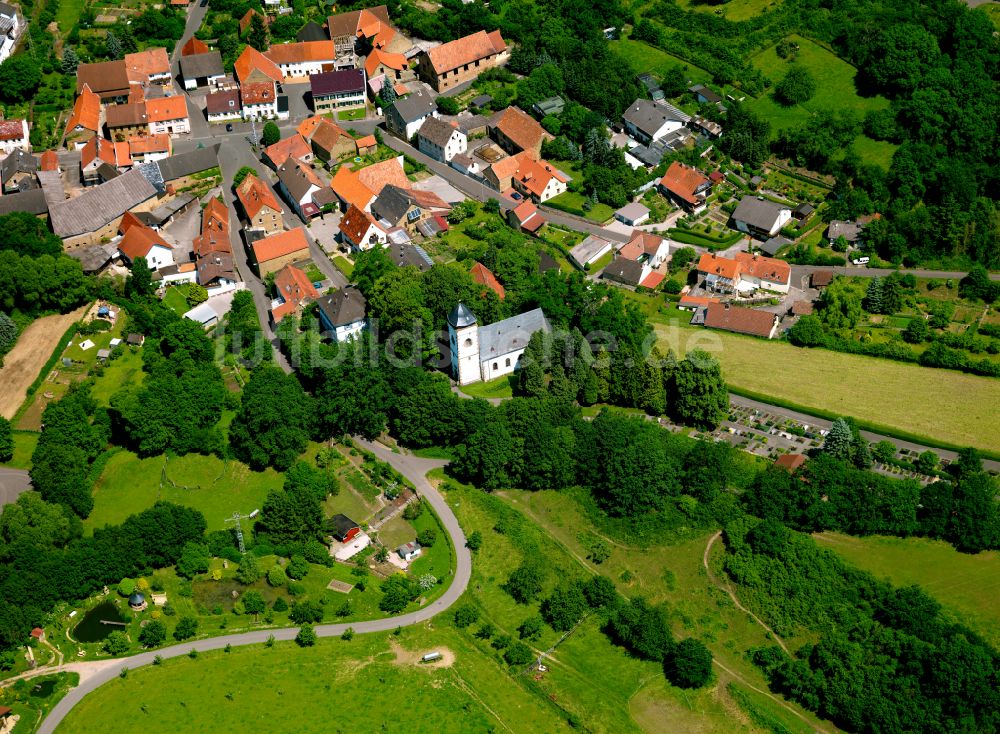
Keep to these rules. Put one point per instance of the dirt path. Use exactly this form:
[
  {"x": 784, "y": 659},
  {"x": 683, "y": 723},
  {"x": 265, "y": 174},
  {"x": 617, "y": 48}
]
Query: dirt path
[
  {"x": 729, "y": 591},
  {"x": 86, "y": 669},
  {"x": 33, "y": 348}
]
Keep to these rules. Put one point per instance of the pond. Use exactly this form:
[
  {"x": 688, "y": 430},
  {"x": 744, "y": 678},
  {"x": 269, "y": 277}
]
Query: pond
[{"x": 92, "y": 627}]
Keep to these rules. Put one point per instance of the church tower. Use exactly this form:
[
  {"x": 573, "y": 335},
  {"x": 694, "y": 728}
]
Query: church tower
[{"x": 463, "y": 337}]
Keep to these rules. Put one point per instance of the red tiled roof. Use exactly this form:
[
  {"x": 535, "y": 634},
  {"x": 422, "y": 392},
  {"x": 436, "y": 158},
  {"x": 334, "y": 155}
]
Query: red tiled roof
[
  {"x": 355, "y": 224},
  {"x": 465, "y": 50},
  {"x": 528, "y": 216},
  {"x": 115, "y": 154},
  {"x": 379, "y": 175},
  {"x": 86, "y": 112},
  {"x": 482, "y": 275},
  {"x": 194, "y": 47},
  {"x": 281, "y": 244},
  {"x": 253, "y": 60},
  {"x": 293, "y": 146},
  {"x": 764, "y": 268},
  {"x": 327, "y": 134},
  {"x": 350, "y": 189},
  {"x": 11, "y": 129},
  {"x": 257, "y": 93},
  {"x": 167, "y": 108},
  {"x": 714, "y": 265},
  {"x": 144, "y": 64},
  {"x": 254, "y": 195},
  {"x": 215, "y": 216},
  {"x": 368, "y": 141},
  {"x": 642, "y": 243},
  {"x": 681, "y": 180},
  {"x": 790, "y": 462},
  {"x": 652, "y": 280},
  {"x": 535, "y": 175},
  {"x": 308, "y": 126},
  {"x": 49, "y": 161},
  {"x": 697, "y": 300},
  {"x": 738, "y": 319},
  {"x": 383, "y": 58},
  {"x": 139, "y": 239},
  {"x": 293, "y": 285},
  {"x": 521, "y": 128},
  {"x": 298, "y": 53},
  {"x": 141, "y": 144}
]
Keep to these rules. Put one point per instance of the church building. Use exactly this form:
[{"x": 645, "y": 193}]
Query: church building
[{"x": 487, "y": 352}]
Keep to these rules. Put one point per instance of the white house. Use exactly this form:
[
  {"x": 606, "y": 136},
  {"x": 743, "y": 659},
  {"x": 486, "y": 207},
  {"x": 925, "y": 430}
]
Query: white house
[
  {"x": 142, "y": 241},
  {"x": 760, "y": 217},
  {"x": 491, "y": 351},
  {"x": 223, "y": 106},
  {"x": 342, "y": 314},
  {"x": 10, "y": 29},
  {"x": 175, "y": 274},
  {"x": 260, "y": 100},
  {"x": 299, "y": 60},
  {"x": 14, "y": 136},
  {"x": 409, "y": 551},
  {"x": 298, "y": 182},
  {"x": 592, "y": 249},
  {"x": 441, "y": 140},
  {"x": 647, "y": 121},
  {"x": 168, "y": 115},
  {"x": 360, "y": 230},
  {"x": 538, "y": 180},
  {"x": 405, "y": 116}
]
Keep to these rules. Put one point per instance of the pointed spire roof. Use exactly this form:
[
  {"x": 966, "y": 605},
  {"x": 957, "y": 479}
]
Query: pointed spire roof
[{"x": 461, "y": 317}]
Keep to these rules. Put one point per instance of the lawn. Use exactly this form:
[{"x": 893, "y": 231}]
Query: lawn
[
  {"x": 942, "y": 404},
  {"x": 571, "y": 202},
  {"x": 502, "y": 387},
  {"x": 358, "y": 114},
  {"x": 364, "y": 683},
  {"x": 875, "y": 151},
  {"x": 992, "y": 10},
  {"x": 835, "y": 89},
  {"x": 966, "y": 584},
  {"x": 68, "y": 14},
  {"x": 734, "y": 9},
  {"x": 216, "y": 487},
  {"x": 174, "y": 298},
  {"x": 344, "y": 265},
  {"x": 24, "y": 447},
  {"x": 642, "y": 58},
  {"x": 118, "y": 373}
]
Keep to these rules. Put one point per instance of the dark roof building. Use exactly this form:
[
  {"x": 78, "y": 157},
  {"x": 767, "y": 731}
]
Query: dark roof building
[
  {"x": 31, "y": 201},
  {"x": 404, "y": 255},
  {"x": 330, "y": 83},
  {"x": 311, "y": 32},
  {"x": 460, "y": 316},
  {"x": 342, "y": 308},
  {"x": 202, "y": 66},
  {"x": 821, "y": 278},
  {"x": 624, "y": 270}
]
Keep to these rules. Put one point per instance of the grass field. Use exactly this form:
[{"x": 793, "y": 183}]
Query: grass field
[
  {"x": 942, "y": 404},
  {"x": 992, "y": 10},
  {"x": 217, "y": 488},
  {"x": 968, "y": 585},
  {"x": 118, "y": 373},
  {"x": 344, "y": 265},
  {"x": 572, "y": 203},
  {"x": 364, "y": 685},
  {"x": 501, "y": 387},
  {"x": 734, "y": 9},
  {"x": 24, "y": 447},
  {"x": 174, "y": 298},
  {"x": 643, "y": 57}
]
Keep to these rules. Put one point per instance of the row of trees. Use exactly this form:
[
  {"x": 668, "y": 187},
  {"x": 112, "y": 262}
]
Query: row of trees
[{"x": 930, "y": 674}]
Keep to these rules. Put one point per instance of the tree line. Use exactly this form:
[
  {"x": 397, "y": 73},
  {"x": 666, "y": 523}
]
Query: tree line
[{"x": 884, "y": 658}]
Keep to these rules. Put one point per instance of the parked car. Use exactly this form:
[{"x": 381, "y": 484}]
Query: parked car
[
  {"x": 861, "y": 260},
  {"x": 229, "y": 127},
  {"x": 515, "y": 196}
]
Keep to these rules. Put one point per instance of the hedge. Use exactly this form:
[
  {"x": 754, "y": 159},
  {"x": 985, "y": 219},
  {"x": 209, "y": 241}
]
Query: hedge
[{"x": 691, "y": 238}]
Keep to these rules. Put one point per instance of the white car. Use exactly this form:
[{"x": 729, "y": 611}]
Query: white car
[{"x": 861, "y": 260}]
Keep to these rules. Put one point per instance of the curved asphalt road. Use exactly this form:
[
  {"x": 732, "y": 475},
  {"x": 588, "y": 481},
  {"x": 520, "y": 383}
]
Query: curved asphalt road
[
  {"x": 12, "y": 483},
  {"x": 414, "y": 469}
]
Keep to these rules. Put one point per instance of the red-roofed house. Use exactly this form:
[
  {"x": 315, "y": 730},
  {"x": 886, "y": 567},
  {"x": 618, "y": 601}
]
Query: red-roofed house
[
  {"x": 214, "y": 235},
  {"x": 693, "y": 303},
  {"x": 194, "y": 47},
  {"x": 261, "y": 206},
  {"x": 482, "y": 275},
  {"x": 14, "y": 136},
  {"x": 253, "y": 66},
  {"x": 721, "y": 273},
  {"x": 85, "y": 122},
  {"x": 646, "y": 247},
  {"x": 98, "y": 152},
  {"x": 49, "y": 161},
  {"x": 538, "y": 179},
  {"x": 298, "y": 60},
  {"x": 526, "y": 216},
  {"x": 516, "y": 130},
  {"x": 259, "y": 100},
  {"x": 294, "y": 146},
  {"x": 360, "y": 230},
  {"x": 686, "y": 186},
  {"x": 790, "y": 462},
  {"x": 378, "y": 175},
  {"x": 150, "y": 66},
  {"x": 146, "y": 148},
  {"x": 168, "y": 115},
  {"x": 138, "y": 240},
  {"x": 764, "y": 272},
  {"x": 350, "y": 190},
  {"x": 741, "y": 320},
  {"x": 456, "y": 62},
  {"x": 294, "y": 291},
  {"x": 275, "y": 252}
]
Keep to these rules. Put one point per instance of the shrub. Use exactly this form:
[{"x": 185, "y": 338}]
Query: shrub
[
  {"x": 466, "y": 615},
  {"x": 276, "y": 576},
  {"x": 280, "y": 605},
  {"x": 306, "y": 637},
  {"x": 427, "y": 537},
  {"x": 690, "y": 664},
  {"x": 518, "y": 654}
]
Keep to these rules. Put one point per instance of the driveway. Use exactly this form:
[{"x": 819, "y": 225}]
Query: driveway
[
  {"x": 414, "y": 469},
  {"x": 13, "y": 482}
]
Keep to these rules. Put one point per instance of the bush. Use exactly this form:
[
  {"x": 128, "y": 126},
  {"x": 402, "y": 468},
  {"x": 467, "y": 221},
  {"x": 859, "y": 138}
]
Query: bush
[
  {"x": 153, "y": 634},
  {"x": 465, "y": 615},
  {"x": 306, "y": 637},
  {"x": 116, "y": 643},
  {"x": 690, "y": 664},
  {"x": 187, "y": 627},
  {"x": 306, "y": 612},
  {"x": 298, "y": 567},
  {"x": 427, "y": 537},
  {"x": 518, "y": 654},
  {"x": 277, "y": 576},
  {"x": 474, "y": 541},
  {"x": 280, "y": 605}
]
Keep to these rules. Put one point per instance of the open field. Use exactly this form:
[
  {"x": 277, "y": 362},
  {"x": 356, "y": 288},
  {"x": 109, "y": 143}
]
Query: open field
[
  {"x": 572, "y": 203},
  {"x": 968, "y": 585},
  {"x": 217, "y": 488},
  {"x": 24, "y": 447},
  {"x": 734, "y": 9},
  {"x": 366, "y": 685},
  {"x": 643, "y": 57},
  {"x": 942, "y": 404},
  {"x": 22, "y": 363}
]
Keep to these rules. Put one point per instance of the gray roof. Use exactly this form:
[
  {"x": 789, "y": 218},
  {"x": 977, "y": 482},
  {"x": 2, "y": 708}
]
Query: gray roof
[
  {"x": 774, "y": 244},
  {"x": 197, "y": 66},
  {"x": 31, "y": 201},
  {"x": 759, "y": 213},
  {"x": 311, "y": 32},
  {"x": 391, "y": 204},
  {"x": 546, "y": 262},
  {"x": 346, "y": 306},
  {"x": 588, "y": 249},
  {"x": 107, "y": 172},
  {"x": 549, "y": 106},
  {"x": 93, "y": 257},
  {"x": 412, "y": 108},
  {"x": 708, "y": 94},
  {"x": 185, "y": 164},
  {"x": 473, "y": 122},
  {"x": 436, "y": 131},
  {"x": 624, "y": 270},
  {"x": 850, "y": 231},
  {"x": 100, "y": 205},
  {"x": 6, "y": 9},
  {"x": 650, "y": 155},
  {"x": 650, "y": 117},
  {"x": 163, "y": 212},
  {"x": 136, "y": 598},
  {"x": 461, "y": 316},
  {"x": 511, "y": 334},
  {"x": 17, "y": 162},
  {"x": 295, "y": 181},
  {"x": 203, "y": 314},
  {"x": 481, "y": 101},
  {"x": 409, "y": 255},
  {"x": 633, "y": 210}
]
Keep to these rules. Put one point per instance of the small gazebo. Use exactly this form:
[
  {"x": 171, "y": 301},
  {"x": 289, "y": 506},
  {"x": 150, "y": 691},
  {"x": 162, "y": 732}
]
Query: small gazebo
[{"x": 137, "y": 602}]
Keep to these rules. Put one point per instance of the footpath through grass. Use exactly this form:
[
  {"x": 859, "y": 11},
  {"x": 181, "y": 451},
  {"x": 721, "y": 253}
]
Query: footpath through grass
[
  {"x": 373, "y": 683},
  {"x": 969, "y": 585}
]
